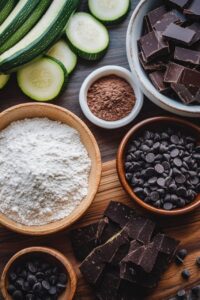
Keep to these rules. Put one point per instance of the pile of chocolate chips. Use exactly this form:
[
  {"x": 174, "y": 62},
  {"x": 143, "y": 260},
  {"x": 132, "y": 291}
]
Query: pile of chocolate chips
[
  {"x": 163, "y": 168},
  {"x": 169, "y": 49},
  {"x": 123, "y": 255},
  {"x": 192, "y": 294},
  {"x": 36, "y": 279}
]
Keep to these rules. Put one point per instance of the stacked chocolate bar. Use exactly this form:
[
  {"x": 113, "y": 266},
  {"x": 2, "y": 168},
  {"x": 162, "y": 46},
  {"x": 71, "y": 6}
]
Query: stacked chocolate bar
[
  {"x": 123, "y": 255},
  {"x": 169, "y": 50}
]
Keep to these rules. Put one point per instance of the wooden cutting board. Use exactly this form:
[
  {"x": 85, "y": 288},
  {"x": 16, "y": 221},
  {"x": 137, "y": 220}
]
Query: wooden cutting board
[{"x": 186, "y": 229}]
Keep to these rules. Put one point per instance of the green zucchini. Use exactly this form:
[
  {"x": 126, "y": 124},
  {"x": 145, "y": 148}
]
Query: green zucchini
[
  {"x": 3, "y": 80},
  {"x": 2, "y": 4},
  {"x": 6, "y": 9},
  {"x": 16, "y": 18},
  {"x": 40, "y": 38},
  {"x": 63, "y": 53},
  {"x": 87, "y": 36},
  {"x": 109, "y": 11},
  {"x": 27, "y": 26},
  {"x": 42, "y": 80}
]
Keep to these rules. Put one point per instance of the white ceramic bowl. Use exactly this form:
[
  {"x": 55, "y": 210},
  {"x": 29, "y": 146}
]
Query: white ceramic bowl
[
  {"x": 105, "y": 71},
  {"x": 133, "y": 34}
]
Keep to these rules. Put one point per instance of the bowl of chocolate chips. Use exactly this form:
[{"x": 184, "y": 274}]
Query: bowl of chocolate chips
[
  {"x": 38, "y": 273},
  {"x": 158, "y": 164},
  {"x": 163, "y": 49}
]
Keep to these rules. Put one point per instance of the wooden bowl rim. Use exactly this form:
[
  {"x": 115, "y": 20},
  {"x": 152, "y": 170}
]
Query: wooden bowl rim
[
  {"x": 120, "y": 165},
  {"x": 50, "y": 251},
  {"x": 74, "y": 216}
]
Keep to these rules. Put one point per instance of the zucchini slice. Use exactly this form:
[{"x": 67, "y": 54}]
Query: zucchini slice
[
  {"x": 26, "y": 26},
  {"x": 109, "y": 11},
  {"x": 63, "y": 53},
  {"x": 40, "y": 38},
  {"x": 41, "y": 80},
  {"x": 3, "y": 80},
  {"x": 87, "y": 36},
  {"x": 16, "y": 18},
  {"x": 6, "y": 9}
]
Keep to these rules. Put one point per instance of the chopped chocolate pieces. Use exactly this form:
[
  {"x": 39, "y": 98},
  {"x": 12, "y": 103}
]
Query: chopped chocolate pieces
[
  {"x": 84, "y": 240},
  {"x": 156, "y": 15},
  {"x": 179, "y": 3},
  {"x": 169, "y": 51},
  {"x": 191, "y": 294},
  {"x": 193, "y": 10},
  {"x": 119, "y": 213},
  {"x": 152, "y": 45},
  {"x": 131, "y": 261},
  {"x": 179, "y": 34},
  {"x": 170, "y": 17},
  {"x": 157, "y": 79},
  {"x": 187, "y": 56}
]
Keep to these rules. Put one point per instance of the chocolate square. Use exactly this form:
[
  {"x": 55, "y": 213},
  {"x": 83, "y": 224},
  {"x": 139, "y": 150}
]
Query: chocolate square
[
  {"x": 173, "y": 72},
  {"x": 155, "y": 15},
  {"x": 193, "y": 10},
  {"x": 184, "y": 93},
  {"x": 157, "y": 65},
  {"x": 157, "y": 78},
  {"x": 170, "y": 17},
  {"x": 179, "y": 35},
  {"x": 190, "y": 78},
  {"x": 196, "y": 28},
  {"x": 185, "y": 55}
]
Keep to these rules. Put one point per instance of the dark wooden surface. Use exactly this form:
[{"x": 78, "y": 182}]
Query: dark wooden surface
[
  {"x": 108, "y": 142},
  {"x": 116, "y": 55}
]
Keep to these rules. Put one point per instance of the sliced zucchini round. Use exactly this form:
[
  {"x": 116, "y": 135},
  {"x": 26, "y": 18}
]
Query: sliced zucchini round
[
  {"x": 109, "y": 11},
  {"x": 63, "y": 53},
  {"x": 87, "y": 36},
  {"x": 3, "y": 80},
  {"x": 42, "y": 80}
]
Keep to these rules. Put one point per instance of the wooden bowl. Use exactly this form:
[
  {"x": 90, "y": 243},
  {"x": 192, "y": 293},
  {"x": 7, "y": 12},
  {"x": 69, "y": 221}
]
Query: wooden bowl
[
  {"x": 49, "y": 254},
  {"x": 53, "y": 112},
  {"x": 153, "y": 123}
]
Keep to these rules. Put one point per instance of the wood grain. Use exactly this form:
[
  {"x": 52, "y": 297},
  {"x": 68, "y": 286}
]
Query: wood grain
[
  {"x": 186, "y": 229},
  {"x": 108, "y": 140}
]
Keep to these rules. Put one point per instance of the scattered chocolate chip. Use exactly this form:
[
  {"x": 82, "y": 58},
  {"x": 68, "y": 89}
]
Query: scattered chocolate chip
[
  {"x": 182, "y": 253},
  {"x": 185, "y": 273},
  {"x": 178, "y": 260}
]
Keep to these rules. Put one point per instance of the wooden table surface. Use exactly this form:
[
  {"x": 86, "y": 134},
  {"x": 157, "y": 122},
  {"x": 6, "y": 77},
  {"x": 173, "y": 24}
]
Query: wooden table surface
[{"x": 107, "y": 140}]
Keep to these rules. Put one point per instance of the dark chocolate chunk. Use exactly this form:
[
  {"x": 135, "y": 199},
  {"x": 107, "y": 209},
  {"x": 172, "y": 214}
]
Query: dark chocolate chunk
[
  {"x": 119, "y": 213},
  {"x": 196, "y": 28},
  {"x": 157, "y": 78},
  {"x": 179, "y": 3},
  {"x": 170, "y": 17},
  {"x": 155, "y": 15},
  {"x": 152, "y": 46},
  {"x": 165, "y": 244},
  {"x": 190, "y": 78},
  {"x": 109, "y": 286},
  {"x": 183, "y": 93},
  {"x": 173, "y": 73},
  {"x": 152, "y": 66},
  {"x": 179, "y": 35},
  {"x": 193, "y": 10},
  {"x": 187, "y": 56}
]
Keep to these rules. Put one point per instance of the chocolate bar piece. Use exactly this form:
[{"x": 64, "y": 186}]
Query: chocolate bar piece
[
  {"x": 179, "y": 35},
  {"x": 152, "y": 66},
  {"x": 165, "y": 244},
  {"x": 157, "y": 78},
  {"x": 173, "y": 72},
  {"x": 134, "y": 245},
  {"x": 155, "y": 15},
  {"x": 193, "y": 10},
  {"x": 152, "y": 45},
  {"x": 184, "y": 93},
  {"x": 179, "y": 3},
  {"x": 109, "y": 286},
  {"x": 187, "y": 56},
  {"x": 106, "y": 229},
  {"x": 84, "y": 240},
  {"x": 190, "y": 78},
  {"x": 140, "y": 229},
  {"x": 196, "y": 28},
  {"x": 119, "y": 213},
  {"x": 170, "y": 17}
]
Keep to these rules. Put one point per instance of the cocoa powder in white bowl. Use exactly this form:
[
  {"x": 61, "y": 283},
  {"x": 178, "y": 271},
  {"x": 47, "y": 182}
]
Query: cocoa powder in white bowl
[
  {"x": 133, "y": 34},
  {"x": 110, "y": 122}
]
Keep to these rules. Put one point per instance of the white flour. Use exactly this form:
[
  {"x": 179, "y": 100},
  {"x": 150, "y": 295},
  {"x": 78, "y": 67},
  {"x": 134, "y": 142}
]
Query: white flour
[{"x": 44, "y": 171}]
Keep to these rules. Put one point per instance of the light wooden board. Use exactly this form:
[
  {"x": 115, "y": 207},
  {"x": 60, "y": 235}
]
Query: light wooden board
[{"x": 186, "y": 229}]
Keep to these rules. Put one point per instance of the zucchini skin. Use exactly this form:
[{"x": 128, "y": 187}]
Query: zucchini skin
[
  {"x": 112, "y": 22},
  {"x": 19, "y": 19},
  {"x": 3, "y": 3},
  {"x": 41, "y": 44},
  {"x": 6, "y": 9},
  {"x": 27, "y": 26}
]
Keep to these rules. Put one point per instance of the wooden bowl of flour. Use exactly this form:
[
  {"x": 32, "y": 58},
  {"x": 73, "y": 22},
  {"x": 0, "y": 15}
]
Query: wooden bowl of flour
[{"x": 55, "y": 113}]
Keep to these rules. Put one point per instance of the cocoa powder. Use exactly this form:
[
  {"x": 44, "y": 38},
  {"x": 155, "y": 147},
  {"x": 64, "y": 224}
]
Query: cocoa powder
[{"x": 111, "y": 98}]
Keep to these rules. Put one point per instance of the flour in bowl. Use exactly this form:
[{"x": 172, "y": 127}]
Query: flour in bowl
[{"x": 44, "y": 171}]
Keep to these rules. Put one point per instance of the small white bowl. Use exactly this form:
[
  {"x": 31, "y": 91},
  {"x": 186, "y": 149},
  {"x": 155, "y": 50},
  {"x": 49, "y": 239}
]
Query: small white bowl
[
  {"x": 105, "y": 71},
  {"x": 133, "y": 34}
]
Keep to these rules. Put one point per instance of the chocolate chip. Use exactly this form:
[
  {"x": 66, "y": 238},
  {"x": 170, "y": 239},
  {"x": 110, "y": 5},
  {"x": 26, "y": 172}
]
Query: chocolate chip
[
  {"x": 178, "y": 260},
  {"x": 180, "y": 179},
  {"x": 174, "y": 153},
  {"x": 150, "y": 157},
  {"x": 45, "y": 285},
  {"x": 11, "y": 289},
  {"x": 32, "y": 268},
  {"x": 17, "y": 295},
  {"x": 174, "y": 139},
  {"x": 177, "y": 162},
  {"x": 154, "y": 196},
  {"x": 182, "y": 253},
  {"x": 168, "y": 206},
  {"x": 161, "y": 182},
  {"x": 181, "y": 294},
  {"x": 159, "y": 168},
  {"x": 185, "y": 274},
  {"x": 52, "y": 290}
]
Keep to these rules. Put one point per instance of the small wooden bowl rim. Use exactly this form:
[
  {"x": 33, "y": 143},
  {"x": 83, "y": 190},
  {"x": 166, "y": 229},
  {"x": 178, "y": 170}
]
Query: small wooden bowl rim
[
  {"x": 52, "y": 252},
  {"x": 120, "y": 165},
  {"x": 82, "y": 208}
]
